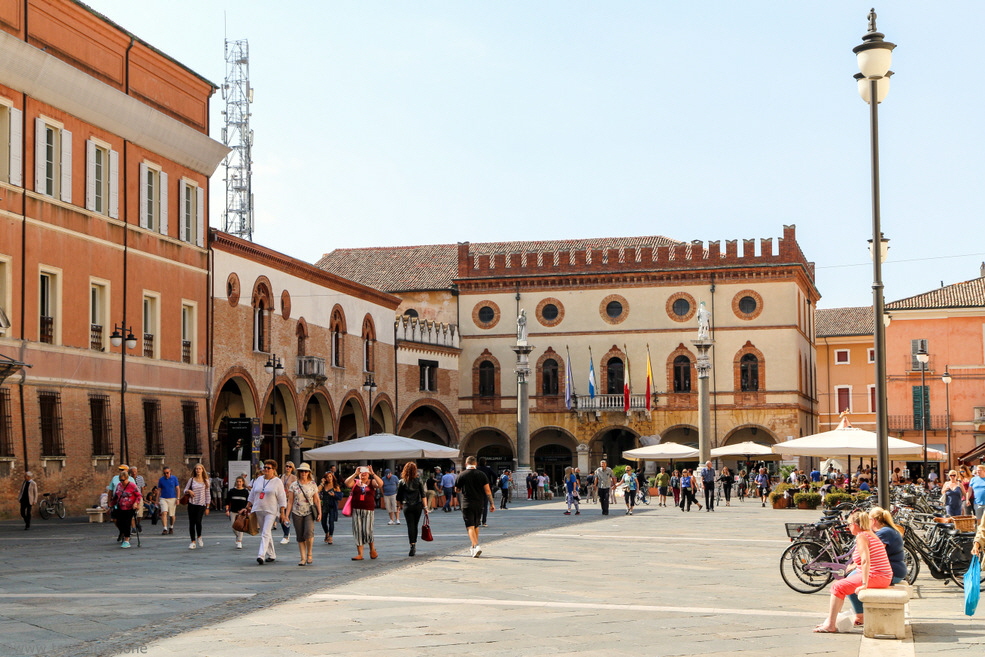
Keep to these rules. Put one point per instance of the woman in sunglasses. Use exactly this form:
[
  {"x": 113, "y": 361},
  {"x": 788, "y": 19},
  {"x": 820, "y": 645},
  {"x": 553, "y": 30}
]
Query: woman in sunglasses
[
  {"x": 952, "y": 494},
  {"x": 269, "y": 501}
]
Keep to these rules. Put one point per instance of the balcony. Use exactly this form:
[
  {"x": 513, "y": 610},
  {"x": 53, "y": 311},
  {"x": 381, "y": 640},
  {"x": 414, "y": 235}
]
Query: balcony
[
  {"x": 47, "y": 332},
  {"x": 426, "y": 331},
  {"x": 912, "y": 423},
  {"x": 186, "y": 351},
  {"x": 312, "y": 367},
  {"x": 609, "y": 403},
  {"x": 95, "y": 337},
  {"x": 149, "y": 348}
]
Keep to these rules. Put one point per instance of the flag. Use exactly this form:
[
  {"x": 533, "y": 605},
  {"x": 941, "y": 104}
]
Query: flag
[
  {"x": 591, "y": 375},
  {"x": 569, "y": 388},
  {"x": 625, "y": 383},
  {"x": 649, "y": 378}
]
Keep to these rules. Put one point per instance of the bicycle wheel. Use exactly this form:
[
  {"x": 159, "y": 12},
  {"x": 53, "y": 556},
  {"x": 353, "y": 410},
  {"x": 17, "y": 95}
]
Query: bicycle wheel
[
  {"x": 60, "y": 509},
  {"x": 643, "y": 499},
  {"x": 44, "y": 509},
  {"x": 912, "y": 561},
  {"x": 798, "y": 569}
]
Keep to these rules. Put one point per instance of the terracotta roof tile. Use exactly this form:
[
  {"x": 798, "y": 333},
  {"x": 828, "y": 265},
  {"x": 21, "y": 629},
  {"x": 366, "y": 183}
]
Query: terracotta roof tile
[
  {"x": 435, "y": 266},
  {"x": 831, "y": 322},
  {"x": 968, "y": 294}
]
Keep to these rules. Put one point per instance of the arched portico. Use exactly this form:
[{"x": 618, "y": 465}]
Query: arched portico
[
  {"x": 553, "y": 449},
  {"x": 609, "y": 444}
]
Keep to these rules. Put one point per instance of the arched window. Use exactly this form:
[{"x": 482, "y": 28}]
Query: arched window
[
  {"x": 338, "y": 338},
  {"x": 548, "y": 372},
  {"x": 749, "y": 373},
  {"x": 302, "y": 335},
  {"x": 614, "y": 376},
  {"x": 682, "y": 374},
  {"x": 260, "y": 326},
  {"x": 487, "y": 379}
]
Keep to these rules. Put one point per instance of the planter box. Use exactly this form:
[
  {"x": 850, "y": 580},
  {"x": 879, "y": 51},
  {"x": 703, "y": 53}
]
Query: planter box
[{"x": 781, "y": 503}]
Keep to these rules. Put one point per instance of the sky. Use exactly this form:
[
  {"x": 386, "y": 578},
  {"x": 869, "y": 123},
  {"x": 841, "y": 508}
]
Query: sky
[{"x": 397, "y": 123}]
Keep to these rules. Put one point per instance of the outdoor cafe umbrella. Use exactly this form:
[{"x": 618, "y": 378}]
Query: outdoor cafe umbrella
[
  {"x": 380, "y": 446},
  {"x": 747, "y": 449},
  {"x": 661, "y": 452}
]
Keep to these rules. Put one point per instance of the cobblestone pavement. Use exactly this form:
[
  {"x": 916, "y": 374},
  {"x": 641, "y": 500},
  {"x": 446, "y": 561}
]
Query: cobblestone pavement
[{"x": 662, "y": 582}]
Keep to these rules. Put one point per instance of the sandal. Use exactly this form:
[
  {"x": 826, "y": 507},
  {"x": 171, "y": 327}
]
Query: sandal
[
  {"x": 301, "y": 563},
  {"x": 359, "y": 558},
  {"x": 373, "y": 554},
  {"x": 310, "y": 561},
  {"x": 820, "y": 630}
]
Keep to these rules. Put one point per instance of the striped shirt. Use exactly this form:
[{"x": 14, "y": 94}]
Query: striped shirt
[{"x": 878, "y": 561}]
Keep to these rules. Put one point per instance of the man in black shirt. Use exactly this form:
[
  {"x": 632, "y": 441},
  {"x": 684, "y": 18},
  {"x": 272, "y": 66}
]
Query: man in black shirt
[
  {"x": 473, "y": 487},
  {"x": 491, "y": 476}
]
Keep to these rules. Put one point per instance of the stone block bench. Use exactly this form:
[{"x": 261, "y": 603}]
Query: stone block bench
[
  {"x": 884, "y": 611},
  {"x": 96, "y": 514}
]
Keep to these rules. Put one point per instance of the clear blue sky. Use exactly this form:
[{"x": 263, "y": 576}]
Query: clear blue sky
[{"x": 392, "y": 123}]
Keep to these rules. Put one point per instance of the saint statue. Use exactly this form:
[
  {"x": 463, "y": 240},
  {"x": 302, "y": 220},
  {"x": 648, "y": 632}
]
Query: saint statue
[
  {"x": 704, "y": 322},
  {"x": 521, "y": 327}
]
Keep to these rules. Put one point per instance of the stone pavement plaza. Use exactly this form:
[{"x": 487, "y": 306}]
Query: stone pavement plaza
[{"x": 659, "y": 583}]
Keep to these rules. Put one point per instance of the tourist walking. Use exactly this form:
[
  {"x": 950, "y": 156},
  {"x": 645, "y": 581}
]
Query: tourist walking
[
  {"x": 474, "y": 489},
  {"x": 630, "y": 484},
  {"x": 675, "y": 486},
  {"x": 505, "y": 480},
  {"x": 168, "y": 484},
  {"x": 431, "y": 486},
  {"x": 663, "y": 486},
  {"x": 390, "y": 482},
  {"x": 236, "y": 500},
  {"x": 604, "y": 478},
  {"x": 689, "y": 484},
  {"x": 571, "y": 493},
  {"x": 125, "y": 500},
  {"x": 411, "y": 496},
  {"x": 305, "y": 506},
  {"x": 763, "y": 485},
  {"x": 976, "y": 492},
  {"x": 28, "y": 498},
  {"x": 288, "y": 478},
  {"x": 330, "y": 494},
  {"x": 491, "y": 476},
  {"x": 448, "y": 487},
  {"x": 363, "y": 484},
  {"x": 727, "y": 480},
  {"x": 198, "y": 504},
  {"x": 743, "y": 485},
  {"x": 268, "y": 500},
  {"x": 707, "y": 474}
]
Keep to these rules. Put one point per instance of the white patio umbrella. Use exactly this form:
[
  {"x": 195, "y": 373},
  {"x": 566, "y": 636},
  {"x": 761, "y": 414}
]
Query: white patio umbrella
[
  {"x": 661, "y": 452},
  {"x": 747, "y": 449},
  {"x": 380, "y": 446}
]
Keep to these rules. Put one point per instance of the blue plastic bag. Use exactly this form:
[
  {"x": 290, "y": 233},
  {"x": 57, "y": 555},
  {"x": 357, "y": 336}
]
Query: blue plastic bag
[{"x": 972, "y": 586}]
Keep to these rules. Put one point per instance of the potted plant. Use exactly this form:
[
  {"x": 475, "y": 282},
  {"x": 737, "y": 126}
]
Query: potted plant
[
  {"x": 831, "y": 500},
  {"x": 807, "y": 500},
  {"x": 778, "y": 496},
  {"x": 652, "y": 483}
]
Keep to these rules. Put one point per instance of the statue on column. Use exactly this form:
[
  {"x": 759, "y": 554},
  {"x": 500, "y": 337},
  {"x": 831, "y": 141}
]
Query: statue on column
[
  {"x": 704, "y": 322},
  {"x": 521, "y": 327}
]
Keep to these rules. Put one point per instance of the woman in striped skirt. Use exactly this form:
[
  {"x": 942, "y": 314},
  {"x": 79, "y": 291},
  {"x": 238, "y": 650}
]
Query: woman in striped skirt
[{"x": 364, "y": 484}]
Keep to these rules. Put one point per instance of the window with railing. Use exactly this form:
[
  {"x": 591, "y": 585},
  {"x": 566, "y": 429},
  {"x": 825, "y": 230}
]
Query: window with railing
[
  {"x": 96, "y": 337},
  {"x": 682, "y": 374},
  {"x": 149, "y": 346},
  {"x": 99, "y": 423},
  {"x": 153, "y": 429},
  {"x": 189, "y": 427},
  {"x": 6, "y": 424},
  {"x": 50, "y": 406}
]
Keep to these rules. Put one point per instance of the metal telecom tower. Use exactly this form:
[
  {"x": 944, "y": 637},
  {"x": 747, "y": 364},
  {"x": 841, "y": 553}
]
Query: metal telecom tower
[{"x": 238, "y": 217}]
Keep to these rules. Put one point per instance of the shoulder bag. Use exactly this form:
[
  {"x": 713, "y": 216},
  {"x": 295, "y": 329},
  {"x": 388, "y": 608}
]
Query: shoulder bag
[
  {"x": 347, "y": 507},
  {"x": 426, "y": 534}
]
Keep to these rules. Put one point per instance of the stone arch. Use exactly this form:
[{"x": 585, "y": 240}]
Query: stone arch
[
  {"x": 682, "y": 434},
  {"x": 318, "y": 417},
  {"x": 494, "y": 441},
  {"x": 351, "y": 418},
  {"x": 243, "y": 382},
  {"x": 750, "y": 432},
  {"x": 611, "y": 442},
  {"x": 382, "y": 418},
  {"x": 410, "y": 425},
  {"x": 552, "y": 449}
]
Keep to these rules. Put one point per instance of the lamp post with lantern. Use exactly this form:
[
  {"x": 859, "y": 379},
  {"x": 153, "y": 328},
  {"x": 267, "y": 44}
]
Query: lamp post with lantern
[
  {"x": 117, "y": 339},
  {"x": 275, "y": 367},
  {"x": 923, "y": 358},
  {"x": 370, "y": 386},
  {"x": 874, "y": 56}
]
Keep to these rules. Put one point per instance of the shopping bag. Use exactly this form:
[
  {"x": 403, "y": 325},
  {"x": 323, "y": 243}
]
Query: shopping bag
[
  {"x": 845, "y": 621},
  {"x": 426, "y": 534},
  {"x": 972, "y": 586},
  {"x": 347, "y": 507},
  {"x": 254, "y": 527}
]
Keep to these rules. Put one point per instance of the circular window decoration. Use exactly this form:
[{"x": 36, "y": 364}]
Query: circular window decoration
[
  {"x": 550, "y": 312},
  {"x": 485, "y": 314},
  {"x": 681, "y": 307},
  {"x": 614, "y": 309},
  {"x": 285, "y": 304},
  {"x": 747, "y": 304},
  {"x": 232, "y": 290},
  {"x": 410, "y": 312}
]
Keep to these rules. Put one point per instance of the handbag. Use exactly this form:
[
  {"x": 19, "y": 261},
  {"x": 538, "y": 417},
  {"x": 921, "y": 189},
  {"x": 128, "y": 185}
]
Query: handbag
[
  {"x": 186, "y": 498},
  {"x": 426, "y": 534},
  {"x": 972, "y": 585},
  {"x": 241, "y": 523},
  {"x": 254, "y": 524},
  {"x": 347, "y": 507}
]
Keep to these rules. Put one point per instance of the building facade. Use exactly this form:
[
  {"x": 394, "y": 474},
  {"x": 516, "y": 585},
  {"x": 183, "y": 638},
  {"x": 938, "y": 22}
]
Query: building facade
[
  {"x": 609, "y": 305},
  {"x": 846, "y": 367},
  {"x": 104, "y": 180}
]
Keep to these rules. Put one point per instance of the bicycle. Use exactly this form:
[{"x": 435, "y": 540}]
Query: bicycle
[
  {"x": 945, "y": 550},
  {"x": 643, "y": 497},
  {"x": 52, "y": 504}
]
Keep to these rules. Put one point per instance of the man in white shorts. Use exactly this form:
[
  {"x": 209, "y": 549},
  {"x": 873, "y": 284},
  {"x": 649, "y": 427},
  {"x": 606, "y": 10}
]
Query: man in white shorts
[{"x": 168, "y": 487}]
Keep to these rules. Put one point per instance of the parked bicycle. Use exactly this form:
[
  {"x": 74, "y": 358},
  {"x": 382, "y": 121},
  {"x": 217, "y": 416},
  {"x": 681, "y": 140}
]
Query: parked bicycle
[
  {"x": 945, "y": 550},
  {"x": 52, "y": 504}
]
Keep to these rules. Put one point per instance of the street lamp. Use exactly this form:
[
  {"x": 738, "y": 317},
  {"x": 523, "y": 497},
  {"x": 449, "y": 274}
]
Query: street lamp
[
  {"x": 116, "y": 339},
  {"x": 370, "y": 386},
  {"x": 276, "y": 368},
  {"x": 923, "y": 358},
  {"x": 946, "y": 378},
  {"x": 874, "y": 58}
]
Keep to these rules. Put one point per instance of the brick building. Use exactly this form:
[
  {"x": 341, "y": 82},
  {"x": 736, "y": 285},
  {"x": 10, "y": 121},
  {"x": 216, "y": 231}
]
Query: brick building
[
  {"x": 621, "y": 298},
  {"x": 105, "y": 161}
]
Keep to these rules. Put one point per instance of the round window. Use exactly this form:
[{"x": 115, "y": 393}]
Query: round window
[
  {"x": 549, "y": 312},
  {"x": 682, "y": 307},
  {"x": 747, "y": 305},
  {"x": 486, "y": 314},
  {"x": 410, "y": 312},
  {"x": 613, "y": 309}
]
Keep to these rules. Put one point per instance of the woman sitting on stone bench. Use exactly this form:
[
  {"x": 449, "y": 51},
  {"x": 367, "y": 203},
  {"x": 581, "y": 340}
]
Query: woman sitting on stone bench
[{"x": 870, "y": 569}]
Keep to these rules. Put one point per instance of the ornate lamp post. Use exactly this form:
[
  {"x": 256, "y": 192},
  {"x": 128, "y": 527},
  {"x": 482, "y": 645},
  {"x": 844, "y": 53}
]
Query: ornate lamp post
[
  {"x": 874, "y": 59},
  {"x": 923, "y": 358},
  {"x": 946, "y": 378},
  {"x": 370, "y": 386},
  {"x": 276, "y": 368},
  {"x": 116, "y": 339}
]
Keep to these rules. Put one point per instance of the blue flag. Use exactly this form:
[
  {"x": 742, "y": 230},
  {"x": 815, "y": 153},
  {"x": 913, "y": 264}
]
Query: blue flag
[{"x": 591, "y": 378}]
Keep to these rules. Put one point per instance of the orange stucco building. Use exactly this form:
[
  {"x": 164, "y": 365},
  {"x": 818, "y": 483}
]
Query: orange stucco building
[{"x": 103, "y": 201}]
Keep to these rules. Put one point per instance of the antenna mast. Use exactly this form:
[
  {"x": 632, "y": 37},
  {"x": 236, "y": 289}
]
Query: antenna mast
[{"x": 237, "y": 135}]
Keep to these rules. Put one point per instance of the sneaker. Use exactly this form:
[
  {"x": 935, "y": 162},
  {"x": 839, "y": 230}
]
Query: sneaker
[
  {"x": 171, "y": 531},
  {"x": 164, "y": 533},
  {"x": 630, "y": 512},
  {"x": 477, "y": 551},
  {"x": 285, "y": 540},
  {"x": 201, "y": 542},
  {"x": 125, "y": 544},
  {"x": 396, "y": 522},
  {"x": 239, "y": 545},
  {"x": 471, "y": 550},
  {"x": 577, "y": 513},
  {"x": 389, "y": 522},
  {"x": 567, "y": 513},
  {"x": 193, "y": 545}
]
